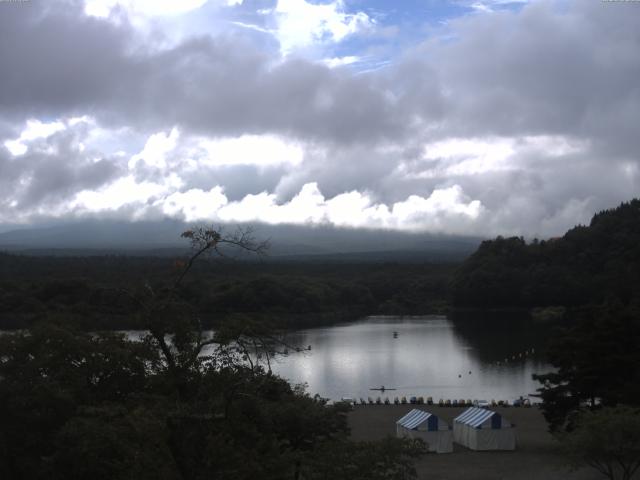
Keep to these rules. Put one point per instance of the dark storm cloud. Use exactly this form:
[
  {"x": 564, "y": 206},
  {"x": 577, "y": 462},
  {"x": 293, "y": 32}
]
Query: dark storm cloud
[
  {"x": 568, "y": 69},
  {"x": 64, "y": 62},
  {"x": 57, "y": 61}
]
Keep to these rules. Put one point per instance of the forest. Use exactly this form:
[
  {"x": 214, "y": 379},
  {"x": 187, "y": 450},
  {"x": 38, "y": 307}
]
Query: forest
[
  {"x": 288, "y": 294},
  {"x": 587, "y": 265}
]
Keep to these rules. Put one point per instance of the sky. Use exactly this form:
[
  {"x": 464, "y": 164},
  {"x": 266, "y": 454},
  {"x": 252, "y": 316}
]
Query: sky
[{"x": 464, "y": 117}]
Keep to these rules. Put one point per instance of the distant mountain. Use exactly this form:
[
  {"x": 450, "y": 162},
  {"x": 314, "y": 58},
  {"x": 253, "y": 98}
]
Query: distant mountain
[
  {"x": 287, "y": 241},
  {"x": 589, "y": 264}
]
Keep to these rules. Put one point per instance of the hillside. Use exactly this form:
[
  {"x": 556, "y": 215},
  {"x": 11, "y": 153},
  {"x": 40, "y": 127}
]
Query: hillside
[{"x": 585, "y": 266}]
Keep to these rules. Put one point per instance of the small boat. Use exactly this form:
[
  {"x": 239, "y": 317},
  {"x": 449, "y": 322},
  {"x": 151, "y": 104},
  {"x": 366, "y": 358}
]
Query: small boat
[
  {"x": 396, "y": 400},
  {"x": 378, "y": 401},
  {"x": 386, "y": 401},
  {"x": 382, "y": 388},
  {"x": 403, "y": 400},
  {"x": 429, "y": 400},
  {"x": 370, "y": 400},
  {"x": 420, "y": 400}
]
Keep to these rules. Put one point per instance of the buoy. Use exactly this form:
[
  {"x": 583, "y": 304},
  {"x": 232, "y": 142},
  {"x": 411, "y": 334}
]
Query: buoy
[
  {"x": 460, "y": 375},
  {"x": 469, "y": 372}
]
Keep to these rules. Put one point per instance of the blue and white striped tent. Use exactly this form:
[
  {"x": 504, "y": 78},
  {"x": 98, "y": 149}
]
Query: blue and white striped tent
[
  {"x": 427, "y": 426},
  {"x": 482, "y": 429}
]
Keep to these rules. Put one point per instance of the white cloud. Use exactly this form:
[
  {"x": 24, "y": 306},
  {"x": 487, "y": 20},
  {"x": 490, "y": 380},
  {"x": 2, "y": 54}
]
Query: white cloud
[
  {"x": 170, "y": 149},
  {"x": 341, "y": 61},
  {"x": 445, "y": 210},
  {"x": 34, "y": 129},
  {"x": 301, "y": 24},
  {"x": 252, "y": 26},
  {"x": 156, "y": 149},
  {"x": 260, "y": 150},
  {"x": 489, "y": 6},
  {"x": 471, "y": 156},
  {"x": 125, "y": 191},
  {"x": 194, "y": 204}
]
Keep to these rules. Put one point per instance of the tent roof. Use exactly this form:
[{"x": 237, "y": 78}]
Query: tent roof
[
  {"x": 414, "y": 418},
  {"x": 474, "y": 416}
]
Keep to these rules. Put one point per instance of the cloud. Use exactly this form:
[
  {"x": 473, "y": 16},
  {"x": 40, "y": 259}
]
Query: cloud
[
  {"x": 102, "y": 8},
  {"x": 520, "y": 121},
  {"x": 33, "y": 130},
  {"x": 222, "y": 86},
  {"x": 46, "y": 166},
  {"x": 436, "y": 213},
  {"x": 445, "y": 210},
  {"x": 489, "y": 6},
  {"x": 301, "y": 23},
  {"x": 341, "y": 61}
]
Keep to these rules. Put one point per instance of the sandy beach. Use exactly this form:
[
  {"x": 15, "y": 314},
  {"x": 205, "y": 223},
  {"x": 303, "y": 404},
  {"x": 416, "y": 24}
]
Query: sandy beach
[{"x": 535, "y": 457}]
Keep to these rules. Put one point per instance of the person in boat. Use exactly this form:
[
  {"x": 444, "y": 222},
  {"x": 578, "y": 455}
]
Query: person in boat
[{"x": 382, "y": 389}]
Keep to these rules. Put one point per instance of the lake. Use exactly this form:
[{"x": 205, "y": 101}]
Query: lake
[
  {"x": 421, "y": 356},
  {"x": 471, "y": 356}
]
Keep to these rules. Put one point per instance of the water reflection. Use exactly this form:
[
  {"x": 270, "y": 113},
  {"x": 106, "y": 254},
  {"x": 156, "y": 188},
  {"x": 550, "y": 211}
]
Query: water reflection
[{"x": 430, "y": 356}]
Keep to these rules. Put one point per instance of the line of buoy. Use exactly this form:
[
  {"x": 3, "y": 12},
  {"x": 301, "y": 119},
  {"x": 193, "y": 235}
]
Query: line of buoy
[
  {"x": 521, "y": 402},
  {"x": 515, "y": 357}
]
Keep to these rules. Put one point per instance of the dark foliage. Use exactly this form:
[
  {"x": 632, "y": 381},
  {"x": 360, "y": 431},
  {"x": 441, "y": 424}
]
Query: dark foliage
[
  {"x": 89, "y": 291},
  {"x": 587, "y": 265},
  {"x": 607, "y": 440},
  {"x": 596, "y": 362},
  {"x": 179, "y": 404}
]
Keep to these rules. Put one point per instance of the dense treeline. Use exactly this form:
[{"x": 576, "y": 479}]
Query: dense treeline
[
  {"x": 92, "y": 289},
  {"x": 596, "y": 358},
  {"x": 586, "y": 266}
]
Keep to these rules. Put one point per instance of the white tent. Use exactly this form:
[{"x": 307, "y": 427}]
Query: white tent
[
  {"x": 481, "y": 429},
  {"x": 433, "y": 431}
]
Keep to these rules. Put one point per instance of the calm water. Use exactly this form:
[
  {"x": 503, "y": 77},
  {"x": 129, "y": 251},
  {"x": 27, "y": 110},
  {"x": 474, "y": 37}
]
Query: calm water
[{"x": 431, "y": 356}]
